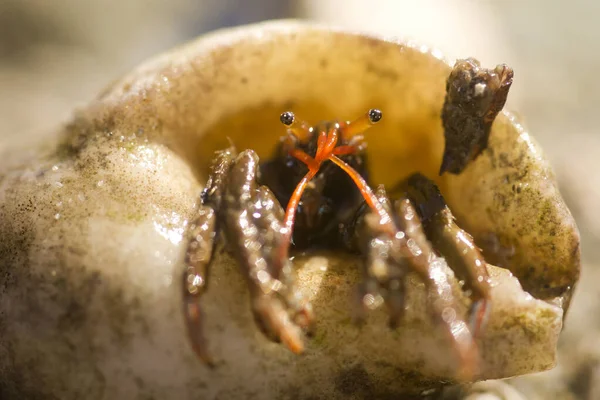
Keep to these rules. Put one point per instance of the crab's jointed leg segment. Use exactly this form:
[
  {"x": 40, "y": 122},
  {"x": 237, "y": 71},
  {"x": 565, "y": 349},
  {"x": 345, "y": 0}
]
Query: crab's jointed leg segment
[
  {"x": 389, "y": 259},
  {"x": 252, "y": 220},
  {"x": 254, "y": 228},
  {"x": 454, "y": 244},
  {"x": 202, "y": 234},
  {"x": 198, "y": 256},
  {"x": 382, "y": 280}
]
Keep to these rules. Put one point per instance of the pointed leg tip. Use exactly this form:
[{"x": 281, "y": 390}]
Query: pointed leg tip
[
  {"x": 469, "y": 367},
  {"x": 203, "y": 355},
  {"x": 293, "y": 341}
]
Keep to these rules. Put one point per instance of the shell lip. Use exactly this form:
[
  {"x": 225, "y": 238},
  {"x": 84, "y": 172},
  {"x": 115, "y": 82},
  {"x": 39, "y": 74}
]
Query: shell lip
[{"x": 265, "y": 30}]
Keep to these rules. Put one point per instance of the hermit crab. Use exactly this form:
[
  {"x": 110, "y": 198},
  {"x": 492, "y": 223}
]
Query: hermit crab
[
  {"x": 124, "y": 234},
  {"x": 321, "y": 173}
]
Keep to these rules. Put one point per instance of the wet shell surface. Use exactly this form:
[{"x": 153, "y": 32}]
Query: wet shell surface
[{"x": 92, "y": 230}]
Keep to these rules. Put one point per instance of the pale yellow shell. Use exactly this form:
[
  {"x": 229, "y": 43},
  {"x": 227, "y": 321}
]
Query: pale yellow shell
[{"x": 92, "y": 247}]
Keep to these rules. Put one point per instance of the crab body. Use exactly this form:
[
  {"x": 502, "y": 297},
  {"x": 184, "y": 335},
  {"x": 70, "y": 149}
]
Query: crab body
[{"x": 328, "y": 200}]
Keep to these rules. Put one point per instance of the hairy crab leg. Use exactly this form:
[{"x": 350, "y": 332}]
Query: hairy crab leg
[
  {"x": 198, "y": 257},
  {"x": 253, "y": 222},
  {"x": 386, "y": 267},
  {"x": 418, "y": 258},
  {"x": 378, "y": 273},
  {"x": 443, "y": 304},
  {"x": 454, "y": 244}
]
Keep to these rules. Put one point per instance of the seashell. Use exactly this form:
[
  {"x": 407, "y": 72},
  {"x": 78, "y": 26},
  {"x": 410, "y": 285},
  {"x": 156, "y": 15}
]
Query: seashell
[{"x": 92, "y": 225}]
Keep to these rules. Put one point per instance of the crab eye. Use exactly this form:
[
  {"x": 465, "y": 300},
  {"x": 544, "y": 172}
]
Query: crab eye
[
  {"x": 374, "y": 115},
  {"x": 361, "y": 124},
  {"x": 287, "y": 118}
]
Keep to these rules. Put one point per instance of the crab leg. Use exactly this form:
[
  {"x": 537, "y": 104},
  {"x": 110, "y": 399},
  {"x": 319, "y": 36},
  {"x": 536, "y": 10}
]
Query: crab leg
[
  {"x": 198, "y": 256},
  {"x": 387, "y": 264},
  {"x": 454, "y": 244},
  {"x": 442, "y": 303},
  {"x": 254, "y": 227},
  {"x": 252, "y": 220},
  {"x": 202, "y": 234},
  {"x": 381, "y": 279},
  {"x": 408, "y": 244}
]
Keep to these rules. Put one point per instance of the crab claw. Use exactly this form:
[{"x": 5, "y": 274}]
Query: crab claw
[{"x": 254, "y": 228}]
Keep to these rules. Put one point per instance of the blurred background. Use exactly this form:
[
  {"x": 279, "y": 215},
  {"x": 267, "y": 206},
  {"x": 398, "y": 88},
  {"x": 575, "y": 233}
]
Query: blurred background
[{"x": 58, "y": 54}]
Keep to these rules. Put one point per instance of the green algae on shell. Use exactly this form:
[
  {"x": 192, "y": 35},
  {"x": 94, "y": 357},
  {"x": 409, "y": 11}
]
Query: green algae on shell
[{"x": 92, "y": 229}]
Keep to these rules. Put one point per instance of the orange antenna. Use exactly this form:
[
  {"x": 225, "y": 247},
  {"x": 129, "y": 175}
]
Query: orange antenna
[
  {"x": 361, "y": 124},
  {"x": 327, "y": 150},
  {"x": 299, "y": 129},
  {"x": 384, "y": 217}
]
